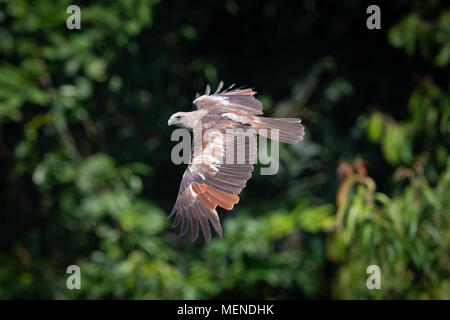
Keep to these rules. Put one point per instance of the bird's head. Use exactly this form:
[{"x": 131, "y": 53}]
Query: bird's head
[{"x": 177, "y": 119}]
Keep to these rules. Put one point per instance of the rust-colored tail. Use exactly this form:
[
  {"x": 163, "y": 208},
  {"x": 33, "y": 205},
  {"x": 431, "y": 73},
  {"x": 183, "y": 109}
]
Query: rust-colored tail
[{"x": 290, "y": 130}]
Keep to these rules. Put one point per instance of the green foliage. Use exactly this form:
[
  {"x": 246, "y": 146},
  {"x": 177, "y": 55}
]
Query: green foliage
[
  {"x": 431, "y": 39},
  {"x": 86, "y": 176},
  {"x": 406, "y": 234}
]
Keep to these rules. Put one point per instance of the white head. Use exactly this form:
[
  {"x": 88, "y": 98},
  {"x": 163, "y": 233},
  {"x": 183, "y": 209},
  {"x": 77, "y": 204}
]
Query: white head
[{"x": 177, "y": 119}]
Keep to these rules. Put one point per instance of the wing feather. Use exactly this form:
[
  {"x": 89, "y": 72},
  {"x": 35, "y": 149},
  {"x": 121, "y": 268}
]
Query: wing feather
[
  {"x": 209, "y": 183},
  {"x": 203, "y": 220},
  {"x": 193, "y": 219},
  {"x": 231, "y": 100},
  {"x": 219, "y": 87}
]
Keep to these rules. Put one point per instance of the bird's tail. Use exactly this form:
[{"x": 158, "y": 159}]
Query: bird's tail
[{"x": 289, "y": 130}]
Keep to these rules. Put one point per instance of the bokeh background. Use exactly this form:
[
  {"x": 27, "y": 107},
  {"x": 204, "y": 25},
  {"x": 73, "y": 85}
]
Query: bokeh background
[{"x": 86, "y": 176}]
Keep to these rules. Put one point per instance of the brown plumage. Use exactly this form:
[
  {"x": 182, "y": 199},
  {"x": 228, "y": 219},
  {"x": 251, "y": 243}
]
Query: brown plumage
[{"x": 210, "y": 181}]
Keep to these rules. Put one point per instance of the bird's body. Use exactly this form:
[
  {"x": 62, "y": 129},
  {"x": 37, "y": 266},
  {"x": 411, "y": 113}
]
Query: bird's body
[{"x": 223, "y": 162}]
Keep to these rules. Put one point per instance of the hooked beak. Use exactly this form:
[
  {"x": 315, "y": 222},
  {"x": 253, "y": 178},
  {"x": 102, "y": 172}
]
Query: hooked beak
[{"x": 171, "y": 121}]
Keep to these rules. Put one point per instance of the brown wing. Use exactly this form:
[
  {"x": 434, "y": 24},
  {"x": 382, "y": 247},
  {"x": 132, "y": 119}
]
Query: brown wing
[
  {"x": 211, "y": 181},
  {"x": 230, "y": 100}
]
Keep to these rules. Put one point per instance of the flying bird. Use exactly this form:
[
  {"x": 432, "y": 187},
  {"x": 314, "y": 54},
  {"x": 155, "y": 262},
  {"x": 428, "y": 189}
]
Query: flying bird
[{"x": 209, "y": 181}]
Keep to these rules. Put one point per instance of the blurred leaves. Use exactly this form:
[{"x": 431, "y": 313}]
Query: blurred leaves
[
  {"x": 431, "y": 39},
  {"x": 405, "y": 235}
]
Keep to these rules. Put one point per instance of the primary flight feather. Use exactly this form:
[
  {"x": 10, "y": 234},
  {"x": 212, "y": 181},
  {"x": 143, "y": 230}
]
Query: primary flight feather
[{"x": 210, "y": 181}]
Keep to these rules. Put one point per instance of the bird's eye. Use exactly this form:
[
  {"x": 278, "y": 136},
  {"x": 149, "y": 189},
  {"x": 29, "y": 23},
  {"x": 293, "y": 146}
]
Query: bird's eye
[{"x": 178, "y": 117}]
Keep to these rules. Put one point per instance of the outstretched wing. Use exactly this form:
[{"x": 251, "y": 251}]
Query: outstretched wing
[
  {"x": 213, "y": 180},
  {"x": 229, "y": 100}
]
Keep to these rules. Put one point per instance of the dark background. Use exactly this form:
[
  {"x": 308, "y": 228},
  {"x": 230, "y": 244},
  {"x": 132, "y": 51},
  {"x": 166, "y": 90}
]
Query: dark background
[{"x": 86, "y": 175}]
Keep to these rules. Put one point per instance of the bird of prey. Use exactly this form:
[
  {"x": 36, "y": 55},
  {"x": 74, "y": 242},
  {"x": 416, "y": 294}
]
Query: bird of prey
[{"x": 209, "y": 181}]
